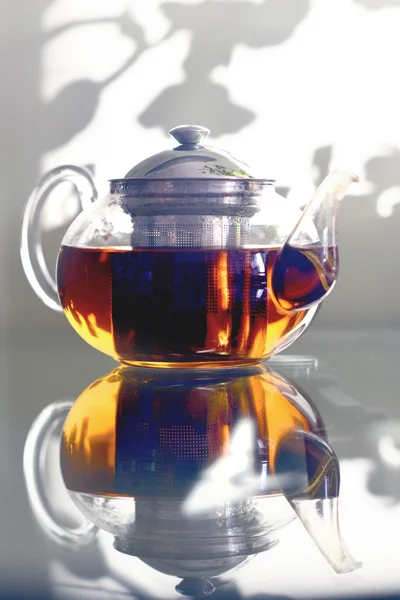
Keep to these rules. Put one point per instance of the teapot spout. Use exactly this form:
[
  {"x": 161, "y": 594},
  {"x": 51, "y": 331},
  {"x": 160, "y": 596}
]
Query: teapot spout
[
  {"x": 308, "y": 472},
  {"x": 306, "y": 267}
]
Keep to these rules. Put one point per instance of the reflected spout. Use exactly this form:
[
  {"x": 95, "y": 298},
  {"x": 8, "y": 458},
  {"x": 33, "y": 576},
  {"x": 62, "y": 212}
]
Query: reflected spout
[
  {"x": 308, "y": 472},
  {"x": 306, "y": 268},
  {"x": 321, "y": 519}
]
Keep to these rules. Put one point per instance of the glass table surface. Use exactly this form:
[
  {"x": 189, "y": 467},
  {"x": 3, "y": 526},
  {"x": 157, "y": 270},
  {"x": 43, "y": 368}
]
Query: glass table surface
[{"x": 351, "y": 377}]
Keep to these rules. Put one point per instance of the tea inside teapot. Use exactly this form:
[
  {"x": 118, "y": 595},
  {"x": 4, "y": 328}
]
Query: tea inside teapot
[{"x": 182, "y": 305}]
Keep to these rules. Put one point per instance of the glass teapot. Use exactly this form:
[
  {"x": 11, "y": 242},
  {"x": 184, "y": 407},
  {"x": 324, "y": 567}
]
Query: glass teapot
[
  {"x": 189, "y": 260},
  {"x": 194, "y": 472}
]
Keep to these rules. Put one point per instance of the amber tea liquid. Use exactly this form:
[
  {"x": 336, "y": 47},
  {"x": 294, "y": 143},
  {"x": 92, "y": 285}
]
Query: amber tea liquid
[
  {"x": 172, "y": 306},
  {"x": 149, "y": 437}
]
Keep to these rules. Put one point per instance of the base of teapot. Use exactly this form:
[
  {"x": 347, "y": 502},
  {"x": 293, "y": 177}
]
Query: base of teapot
[{"x": 206, "y": 364}]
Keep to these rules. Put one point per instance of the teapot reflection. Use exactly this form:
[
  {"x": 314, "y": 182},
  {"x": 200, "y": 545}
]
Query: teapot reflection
[{"x": 194, "y": 473}]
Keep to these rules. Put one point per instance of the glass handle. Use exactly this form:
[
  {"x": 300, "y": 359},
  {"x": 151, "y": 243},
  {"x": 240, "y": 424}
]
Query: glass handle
[
  {"x": 34, "y": 463},
  {"x": 31, "y": 250}
]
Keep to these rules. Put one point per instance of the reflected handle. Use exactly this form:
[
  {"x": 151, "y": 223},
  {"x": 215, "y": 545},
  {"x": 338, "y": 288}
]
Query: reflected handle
[
  {"x": 35, "y": 453},
  {"x": 32, "y": 257}
]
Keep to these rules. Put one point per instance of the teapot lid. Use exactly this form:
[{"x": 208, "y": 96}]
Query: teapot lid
[{"x": 190, "y": 159}]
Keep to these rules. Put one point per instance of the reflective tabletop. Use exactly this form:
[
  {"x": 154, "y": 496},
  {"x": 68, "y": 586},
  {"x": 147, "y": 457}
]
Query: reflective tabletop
[{"x": 350, "y": 377}]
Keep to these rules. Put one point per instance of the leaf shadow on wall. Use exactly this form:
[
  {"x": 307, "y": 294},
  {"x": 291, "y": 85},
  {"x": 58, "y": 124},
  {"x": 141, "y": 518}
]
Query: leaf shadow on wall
[
  {"x": 216, "y": 29},
  {"x": 76, "y": 104},
  {"x": 368, "y": 249}
]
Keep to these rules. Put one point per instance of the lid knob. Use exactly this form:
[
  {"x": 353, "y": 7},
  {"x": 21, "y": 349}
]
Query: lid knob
[{"x": 189, "y": 134}]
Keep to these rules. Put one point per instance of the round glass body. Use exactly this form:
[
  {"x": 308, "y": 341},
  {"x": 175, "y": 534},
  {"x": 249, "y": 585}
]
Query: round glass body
[{"x": 180, "y": 272}]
